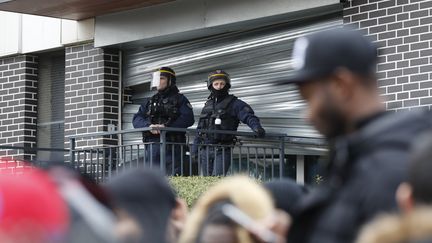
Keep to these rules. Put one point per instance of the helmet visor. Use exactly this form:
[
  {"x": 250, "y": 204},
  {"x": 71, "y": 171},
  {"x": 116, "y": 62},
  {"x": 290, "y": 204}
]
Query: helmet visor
[{"x": 155, "y": 80}]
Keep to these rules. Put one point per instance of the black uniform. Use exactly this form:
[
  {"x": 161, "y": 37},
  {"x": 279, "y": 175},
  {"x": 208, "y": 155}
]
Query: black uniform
[
  {"x": 222, "y": 111},
  {"x": 362, "y": 179},
  {"x": 169, "y": 108},
  {"x": 230, "y": 110}
]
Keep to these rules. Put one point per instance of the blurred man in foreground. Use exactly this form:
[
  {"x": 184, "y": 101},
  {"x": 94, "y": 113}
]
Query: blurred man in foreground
[{"x": 335, "y": 74}]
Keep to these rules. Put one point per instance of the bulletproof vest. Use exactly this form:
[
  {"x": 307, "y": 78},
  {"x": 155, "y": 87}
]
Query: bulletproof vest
[
  {"x": 213, "y": 111},
  {"x": 163, "y": 110}
]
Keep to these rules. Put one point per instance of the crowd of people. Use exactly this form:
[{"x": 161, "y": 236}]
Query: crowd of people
[{"x": 376, "y": 187}]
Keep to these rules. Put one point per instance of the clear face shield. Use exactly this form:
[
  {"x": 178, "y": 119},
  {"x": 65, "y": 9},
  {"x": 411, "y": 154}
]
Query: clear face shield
[{"x": 155, "y": 80}]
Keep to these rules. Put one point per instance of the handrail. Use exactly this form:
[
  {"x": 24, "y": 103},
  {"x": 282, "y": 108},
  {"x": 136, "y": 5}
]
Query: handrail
[
  {"x": 103, "y": 159},
  {"x": 174, "y": 129},
  {"x": 287, "y": 138}
]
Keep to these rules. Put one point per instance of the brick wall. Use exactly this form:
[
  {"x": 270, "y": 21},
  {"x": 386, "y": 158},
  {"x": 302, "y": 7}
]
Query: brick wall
[
  {"x": 18, "y": 104},
  {"x": 91, "y": 92},
  {"x": 127, "y": 95},
  {"x": 402, "y": 30}
]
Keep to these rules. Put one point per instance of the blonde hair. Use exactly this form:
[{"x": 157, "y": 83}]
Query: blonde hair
[
  {"x": 392, "y": 228},
  {"x": 241, "y": 191}
]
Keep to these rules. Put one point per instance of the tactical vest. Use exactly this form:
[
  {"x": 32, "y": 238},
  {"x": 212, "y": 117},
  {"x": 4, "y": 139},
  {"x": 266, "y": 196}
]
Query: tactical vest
[
  {"x": 213, "y": 111},
  {"x": 164, "y": 110}
]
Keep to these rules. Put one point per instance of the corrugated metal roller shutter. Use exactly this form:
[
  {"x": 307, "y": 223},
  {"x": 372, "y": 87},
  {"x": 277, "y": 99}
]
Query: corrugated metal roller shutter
[{"x": 255, "y": 59}]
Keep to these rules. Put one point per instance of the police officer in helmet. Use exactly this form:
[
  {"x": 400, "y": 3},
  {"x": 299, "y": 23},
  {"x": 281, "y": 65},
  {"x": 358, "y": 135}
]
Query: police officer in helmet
[
  {"x": 167, "y": 108},
  {"x": 222, "y": 111}
]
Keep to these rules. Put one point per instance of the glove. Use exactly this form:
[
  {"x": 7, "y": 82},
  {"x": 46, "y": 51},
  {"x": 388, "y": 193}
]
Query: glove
[{"x": 260, "y": 132}]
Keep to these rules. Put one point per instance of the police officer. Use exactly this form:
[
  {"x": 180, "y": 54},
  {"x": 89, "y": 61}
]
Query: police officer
[
  {"x": 222, "y": 111},
  {"x": 167, "y": 108}
]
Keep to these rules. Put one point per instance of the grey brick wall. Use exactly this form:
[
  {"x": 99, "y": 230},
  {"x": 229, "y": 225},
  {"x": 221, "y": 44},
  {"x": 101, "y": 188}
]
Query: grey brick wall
[
  {"x": 127, "y": 95},
  {"x": 402, "y": 30},
  {"x": 18, "y": 104},
  {"x": 91, "y": 93}
]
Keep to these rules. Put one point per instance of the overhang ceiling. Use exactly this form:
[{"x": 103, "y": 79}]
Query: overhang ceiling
[{"x": 74, "y": 9}]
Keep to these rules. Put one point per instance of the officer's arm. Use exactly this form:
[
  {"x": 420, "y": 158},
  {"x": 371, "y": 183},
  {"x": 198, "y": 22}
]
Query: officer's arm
[
  {"x": 141, "y": 119},
  {"x": 246, "y": 115},
  {"x": 186, "y": 117}
]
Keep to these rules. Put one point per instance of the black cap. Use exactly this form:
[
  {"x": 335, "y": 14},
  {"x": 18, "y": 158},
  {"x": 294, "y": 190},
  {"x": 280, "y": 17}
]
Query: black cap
[
  {"x": 147, "y": 196},
  {"x": 320, "y": 54},
  {"x": 286, "y": 194}
]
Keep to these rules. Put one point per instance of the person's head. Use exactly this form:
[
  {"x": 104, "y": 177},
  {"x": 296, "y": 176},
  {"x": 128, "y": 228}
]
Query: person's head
[
  {"x": 417, "y": 190},
  {"x": 92, "y": 218},
  {"x": 167, "y": 78},
  {"x": 144, "y": 201},
  {"x": 32, "y": 209},
  {"x": 286, "y": 194},
  {"x": 208, "y": 220},
  {"x": 335, "y": 74},
  {"x": 217, "y": 227},
  {"x": 178, "y": 219},
  {"x": 219, "y": 82}
]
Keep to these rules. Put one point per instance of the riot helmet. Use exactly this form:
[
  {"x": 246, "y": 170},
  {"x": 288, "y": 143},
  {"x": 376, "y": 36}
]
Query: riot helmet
[
  {"x": 218, "y": 74},
  {"x": 164, "y": 72}
]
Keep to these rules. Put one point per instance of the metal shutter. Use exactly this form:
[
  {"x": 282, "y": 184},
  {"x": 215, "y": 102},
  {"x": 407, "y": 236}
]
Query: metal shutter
[{"x": 256, "y": 60}]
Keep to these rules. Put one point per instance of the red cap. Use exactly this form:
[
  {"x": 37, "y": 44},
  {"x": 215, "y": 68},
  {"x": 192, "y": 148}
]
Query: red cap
[{"x": 31, "y": 207}]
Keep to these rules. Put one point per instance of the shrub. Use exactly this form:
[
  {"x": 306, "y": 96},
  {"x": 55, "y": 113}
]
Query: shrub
[{"x": 190, "y": 188}]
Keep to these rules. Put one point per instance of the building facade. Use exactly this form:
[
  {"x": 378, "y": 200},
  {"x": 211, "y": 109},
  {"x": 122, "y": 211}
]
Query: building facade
[{"x": 92, "y": 74}]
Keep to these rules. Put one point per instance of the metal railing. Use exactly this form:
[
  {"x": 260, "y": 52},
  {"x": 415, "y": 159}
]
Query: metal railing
[{"x": 262, "y": 158}]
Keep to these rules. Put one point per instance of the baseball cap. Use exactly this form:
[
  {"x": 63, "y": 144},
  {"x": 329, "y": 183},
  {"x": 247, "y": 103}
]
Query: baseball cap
[
  {"x": 31, "y": 207},
  {"x": 321, "y": 53}
]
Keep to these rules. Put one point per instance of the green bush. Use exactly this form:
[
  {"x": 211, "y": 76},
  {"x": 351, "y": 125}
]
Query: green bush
[{"x": 191, "y": 188}]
